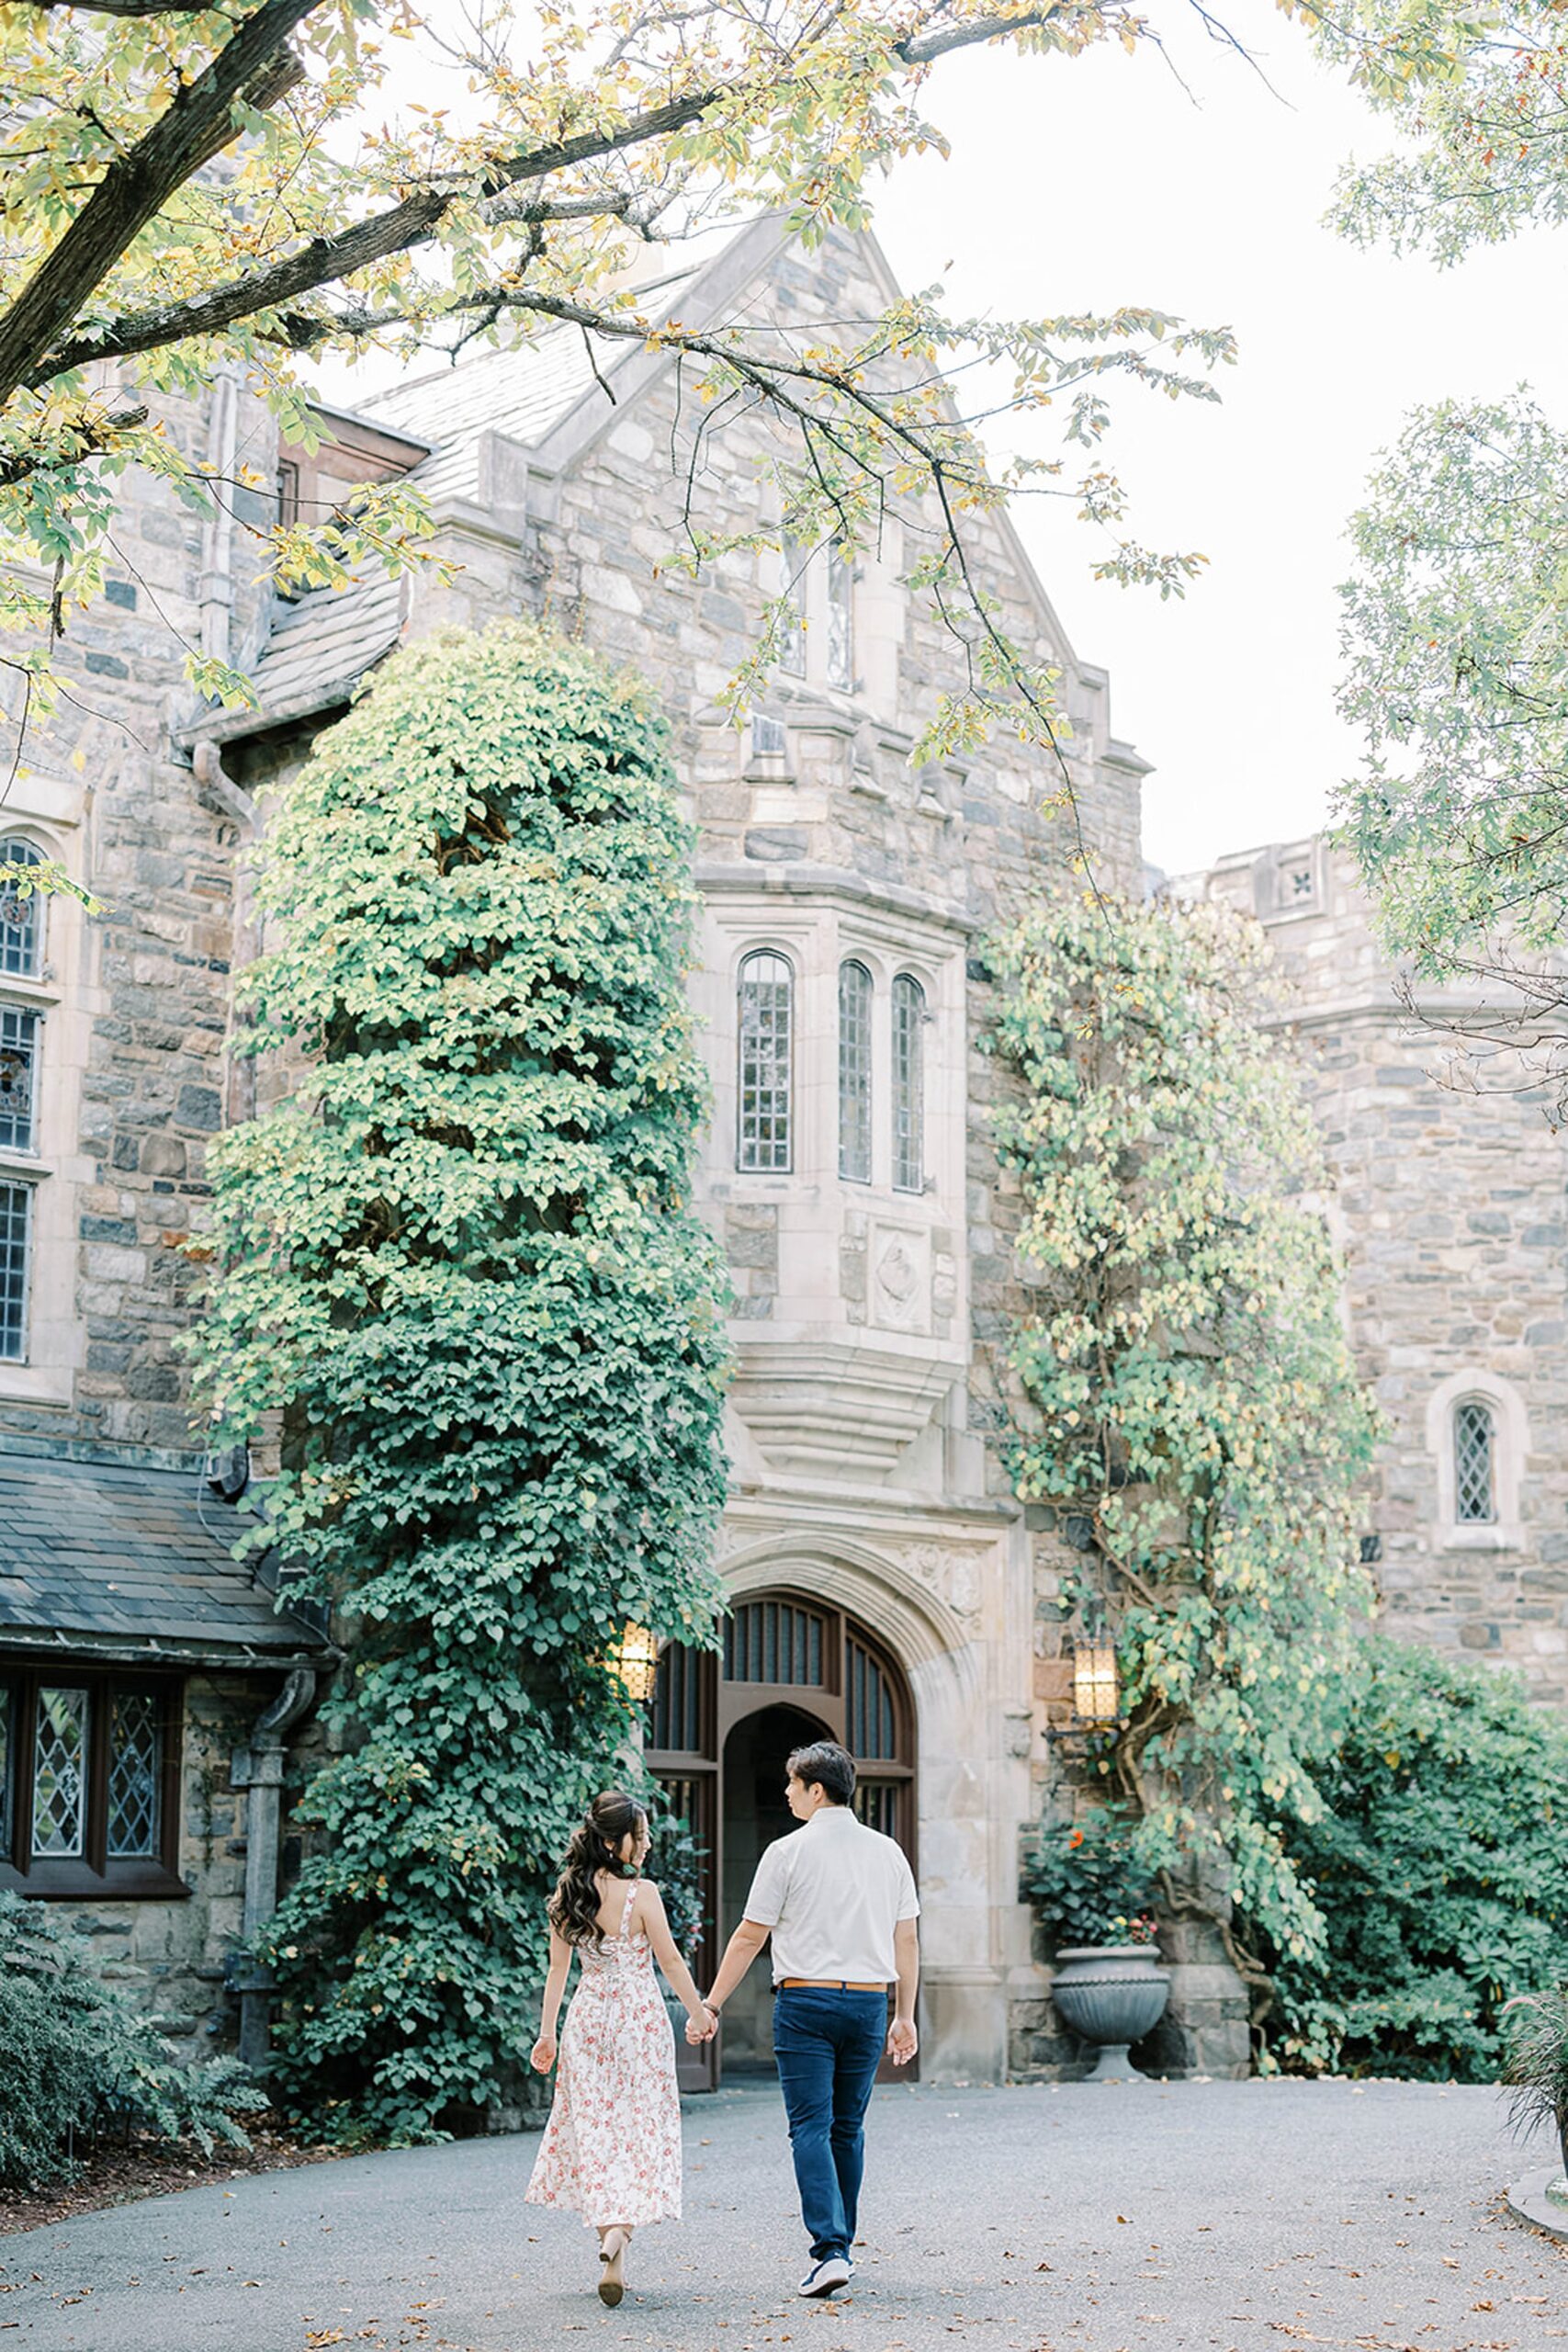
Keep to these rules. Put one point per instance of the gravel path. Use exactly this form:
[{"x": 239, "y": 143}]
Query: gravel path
[{"x": 1125, "y": 2218}]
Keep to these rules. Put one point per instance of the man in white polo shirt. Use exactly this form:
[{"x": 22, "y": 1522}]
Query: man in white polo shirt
[{"x": 839, "y": 1901}]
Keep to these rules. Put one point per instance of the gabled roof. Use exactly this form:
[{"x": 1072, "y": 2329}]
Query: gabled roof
[
  {"x": 547, "y": 395},
  {"x": 101, "y": 1560}
]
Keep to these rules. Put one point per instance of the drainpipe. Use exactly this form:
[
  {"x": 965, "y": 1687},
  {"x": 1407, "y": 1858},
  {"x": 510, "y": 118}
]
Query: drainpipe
[
  {"x": 260, "y": 1772},
  {"x": 217, "y": 589}
]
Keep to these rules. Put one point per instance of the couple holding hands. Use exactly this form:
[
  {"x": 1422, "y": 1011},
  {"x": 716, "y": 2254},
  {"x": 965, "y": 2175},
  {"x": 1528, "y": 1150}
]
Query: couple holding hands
[{"x": 839, "y": 1902}]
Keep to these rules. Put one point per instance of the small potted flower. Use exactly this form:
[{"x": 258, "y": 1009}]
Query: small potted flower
[{"x": 1094, "y": 1894}]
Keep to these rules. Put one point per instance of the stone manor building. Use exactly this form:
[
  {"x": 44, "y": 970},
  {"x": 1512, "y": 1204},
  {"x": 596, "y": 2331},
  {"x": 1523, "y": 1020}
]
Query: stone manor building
[{"x": 886, "y": 1585}]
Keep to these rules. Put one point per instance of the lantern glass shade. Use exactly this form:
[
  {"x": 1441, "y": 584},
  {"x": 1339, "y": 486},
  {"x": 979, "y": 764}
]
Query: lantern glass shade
[
  {"x": 1096, "y": 1696},
  {"x": 634, "y": 1660}
]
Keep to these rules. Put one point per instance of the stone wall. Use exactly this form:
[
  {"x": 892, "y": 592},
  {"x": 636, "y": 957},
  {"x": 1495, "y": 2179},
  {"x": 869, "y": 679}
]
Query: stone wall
[
  {"x": 1449, "y": 1205},
  {"x": 168, "y": 1958}
]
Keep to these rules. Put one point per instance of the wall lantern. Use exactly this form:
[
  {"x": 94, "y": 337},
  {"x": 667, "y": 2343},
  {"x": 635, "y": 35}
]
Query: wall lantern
[
  {"x": 1096, "y": 1698},
  {"x": 633, "y": 1662}
]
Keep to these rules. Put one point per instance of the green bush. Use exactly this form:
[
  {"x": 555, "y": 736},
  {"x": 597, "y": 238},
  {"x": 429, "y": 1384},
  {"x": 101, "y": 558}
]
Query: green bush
[
  {"x": 1440, "y": 1865},
  {"x": 75, "y": 2059}
]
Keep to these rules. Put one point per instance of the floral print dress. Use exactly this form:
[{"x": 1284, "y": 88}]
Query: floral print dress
[{"x": 611, "y": 2147}]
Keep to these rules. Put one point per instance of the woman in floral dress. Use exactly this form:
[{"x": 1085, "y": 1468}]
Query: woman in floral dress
[{"x": 611, "y": 2147}]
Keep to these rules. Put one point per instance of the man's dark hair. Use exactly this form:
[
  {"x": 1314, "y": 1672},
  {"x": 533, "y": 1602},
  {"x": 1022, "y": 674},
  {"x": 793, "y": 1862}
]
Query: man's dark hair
[{"x": 827, "y": 1766}]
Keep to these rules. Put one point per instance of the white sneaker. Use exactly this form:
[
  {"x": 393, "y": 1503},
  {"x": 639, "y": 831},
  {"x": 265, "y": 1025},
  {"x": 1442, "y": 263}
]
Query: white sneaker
[{"x": 825, "y": 2277}]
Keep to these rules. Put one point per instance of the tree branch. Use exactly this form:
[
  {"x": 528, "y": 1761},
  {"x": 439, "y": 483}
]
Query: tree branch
[
  {"x": 128, "y": 7},
  {"x": 256, "y": 67},
  {"x": 326, "y": 259},
  {"x": 89, "y": 438}
]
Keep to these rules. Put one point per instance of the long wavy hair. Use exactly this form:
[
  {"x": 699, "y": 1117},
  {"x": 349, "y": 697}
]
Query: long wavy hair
[{"x": 595, "y": 1846}]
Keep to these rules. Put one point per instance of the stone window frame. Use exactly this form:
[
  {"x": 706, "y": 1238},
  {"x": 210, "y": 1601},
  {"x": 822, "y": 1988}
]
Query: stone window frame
[
  {"x": 153, "y": 1877},
  {"x": 1511, "y": 1450},
  {"x": 858, "y": 1060},
  {"x": 40, "y": 1371},
  {"x": 819, "y": 642},
  {"x": 755, "y": 952}
]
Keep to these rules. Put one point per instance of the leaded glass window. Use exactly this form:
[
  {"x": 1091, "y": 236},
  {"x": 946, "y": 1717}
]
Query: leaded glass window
[
  {"x": 840, "y": 621},
  {"x": 854, "y": 1072},
  {"x": 766, "y": 1013},
  {"x": 136, "y": 1758},
  {"x": 1474, "y": 1495},
  {"x": 18, "y": 1061},
  {"x": 59, "y": 1774},
  {"x": 792, "y": 621},
  {"x": 19, "y": 917},
  {"x": 908, "y": 1085},
  {"x": 16, "y": 1234}
]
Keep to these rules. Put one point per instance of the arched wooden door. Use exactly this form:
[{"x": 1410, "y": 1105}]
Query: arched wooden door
[{"x": 791, "y": 1669}]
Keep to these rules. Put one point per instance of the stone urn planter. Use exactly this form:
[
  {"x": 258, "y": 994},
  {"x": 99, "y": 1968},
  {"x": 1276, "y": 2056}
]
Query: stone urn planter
[{"x": 1112, "y": 1994}]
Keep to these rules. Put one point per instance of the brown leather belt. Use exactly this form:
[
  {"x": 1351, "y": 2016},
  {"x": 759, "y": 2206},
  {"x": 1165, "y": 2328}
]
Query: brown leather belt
[{"x": 826, "y": 1984}]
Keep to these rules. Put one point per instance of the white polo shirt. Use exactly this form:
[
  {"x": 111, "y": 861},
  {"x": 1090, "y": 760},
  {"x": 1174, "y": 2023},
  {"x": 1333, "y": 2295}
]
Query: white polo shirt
[{"x": 832, "y": 1892}]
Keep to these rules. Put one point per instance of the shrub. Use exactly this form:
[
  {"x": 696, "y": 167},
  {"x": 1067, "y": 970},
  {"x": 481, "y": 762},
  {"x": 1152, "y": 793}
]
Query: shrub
[
  {"x": 75, "y": 2059},
  {"x": 1087, "y": 1882},
  {"x": 1440, "y": 1866}
]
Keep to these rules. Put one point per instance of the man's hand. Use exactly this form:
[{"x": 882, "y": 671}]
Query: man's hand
[
  {"x": 703, "y": 2029},
  {"x": 902, "y": 2041}
]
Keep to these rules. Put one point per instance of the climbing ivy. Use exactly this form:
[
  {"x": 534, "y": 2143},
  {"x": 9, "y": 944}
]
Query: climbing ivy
[
  {"x": 1190, "y": 1404},
  {"x": 457, "y": 1261}
]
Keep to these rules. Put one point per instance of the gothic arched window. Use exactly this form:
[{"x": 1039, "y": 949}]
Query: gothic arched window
[
  {"x": 765, "y": 1009},
  {"x": 854, "y": 1072},
  {"x": 19, "y": 917},
  {"x": 1475, "y": 1488},
  {"x": 908, "y": 1085}
]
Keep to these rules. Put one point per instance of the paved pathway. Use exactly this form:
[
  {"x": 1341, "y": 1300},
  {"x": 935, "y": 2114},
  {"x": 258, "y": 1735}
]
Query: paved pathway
[{"x": 1253, "y": 2217}]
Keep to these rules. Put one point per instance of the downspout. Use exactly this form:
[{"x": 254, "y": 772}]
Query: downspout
[
  {"x": 263, "y": 1780},
  {"x": 217, "y": 589}
]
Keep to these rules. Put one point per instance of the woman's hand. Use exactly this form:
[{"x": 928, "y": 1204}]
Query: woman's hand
[
  {"x": 542, "y": 2056},
  {"x": 702, "y": 2024}
]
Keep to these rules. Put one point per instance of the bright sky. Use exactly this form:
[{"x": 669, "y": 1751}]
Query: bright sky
[{"x": 1092, "y": 183}]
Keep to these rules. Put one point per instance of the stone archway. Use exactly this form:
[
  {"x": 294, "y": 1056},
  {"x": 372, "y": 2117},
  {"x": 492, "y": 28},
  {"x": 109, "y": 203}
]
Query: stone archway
[{"x": 792, "y": 1663}]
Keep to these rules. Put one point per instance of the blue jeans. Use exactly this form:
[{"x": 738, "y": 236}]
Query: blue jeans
[{"x": 829, "y": 2045}]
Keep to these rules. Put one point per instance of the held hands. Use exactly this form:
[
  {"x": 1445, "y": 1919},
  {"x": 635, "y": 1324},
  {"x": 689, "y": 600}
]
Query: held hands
[
  {"x": 702, "y": 2028},
  {"x": 902, "y": 2041},
  {"x": 542, "y": 2056}
]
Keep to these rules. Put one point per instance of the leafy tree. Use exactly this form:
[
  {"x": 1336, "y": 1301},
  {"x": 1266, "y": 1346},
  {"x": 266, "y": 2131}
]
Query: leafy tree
[
  {"x": 1477, "y": 98},
  {"x": 1457, "y": 676},
  {"x": 459, "y": 1260},
  {"x": 192, "y": 188},
  {"x": 1191, "y": 1408},
  {"x": 1438, "y": 1861},
  {"x": 1454, "y": 618}
]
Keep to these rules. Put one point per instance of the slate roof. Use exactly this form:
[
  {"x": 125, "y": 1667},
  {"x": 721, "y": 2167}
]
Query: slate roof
[
  {"x": 113, "y": 1561},
  {"x": 321, "y": 644}
]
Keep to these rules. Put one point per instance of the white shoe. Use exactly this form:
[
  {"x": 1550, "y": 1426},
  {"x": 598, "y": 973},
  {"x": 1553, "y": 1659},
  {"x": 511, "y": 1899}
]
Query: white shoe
[{"x": 826, "y": 2276}]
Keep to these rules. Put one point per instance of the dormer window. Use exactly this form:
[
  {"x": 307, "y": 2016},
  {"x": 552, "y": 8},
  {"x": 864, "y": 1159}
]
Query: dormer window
[{"x": 818, "y": 640}]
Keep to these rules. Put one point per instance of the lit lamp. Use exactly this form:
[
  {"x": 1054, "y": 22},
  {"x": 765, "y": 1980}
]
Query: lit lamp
[
  {"x": 1096, "y": 1699},
  {"x": 633, "y": 1661}
]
